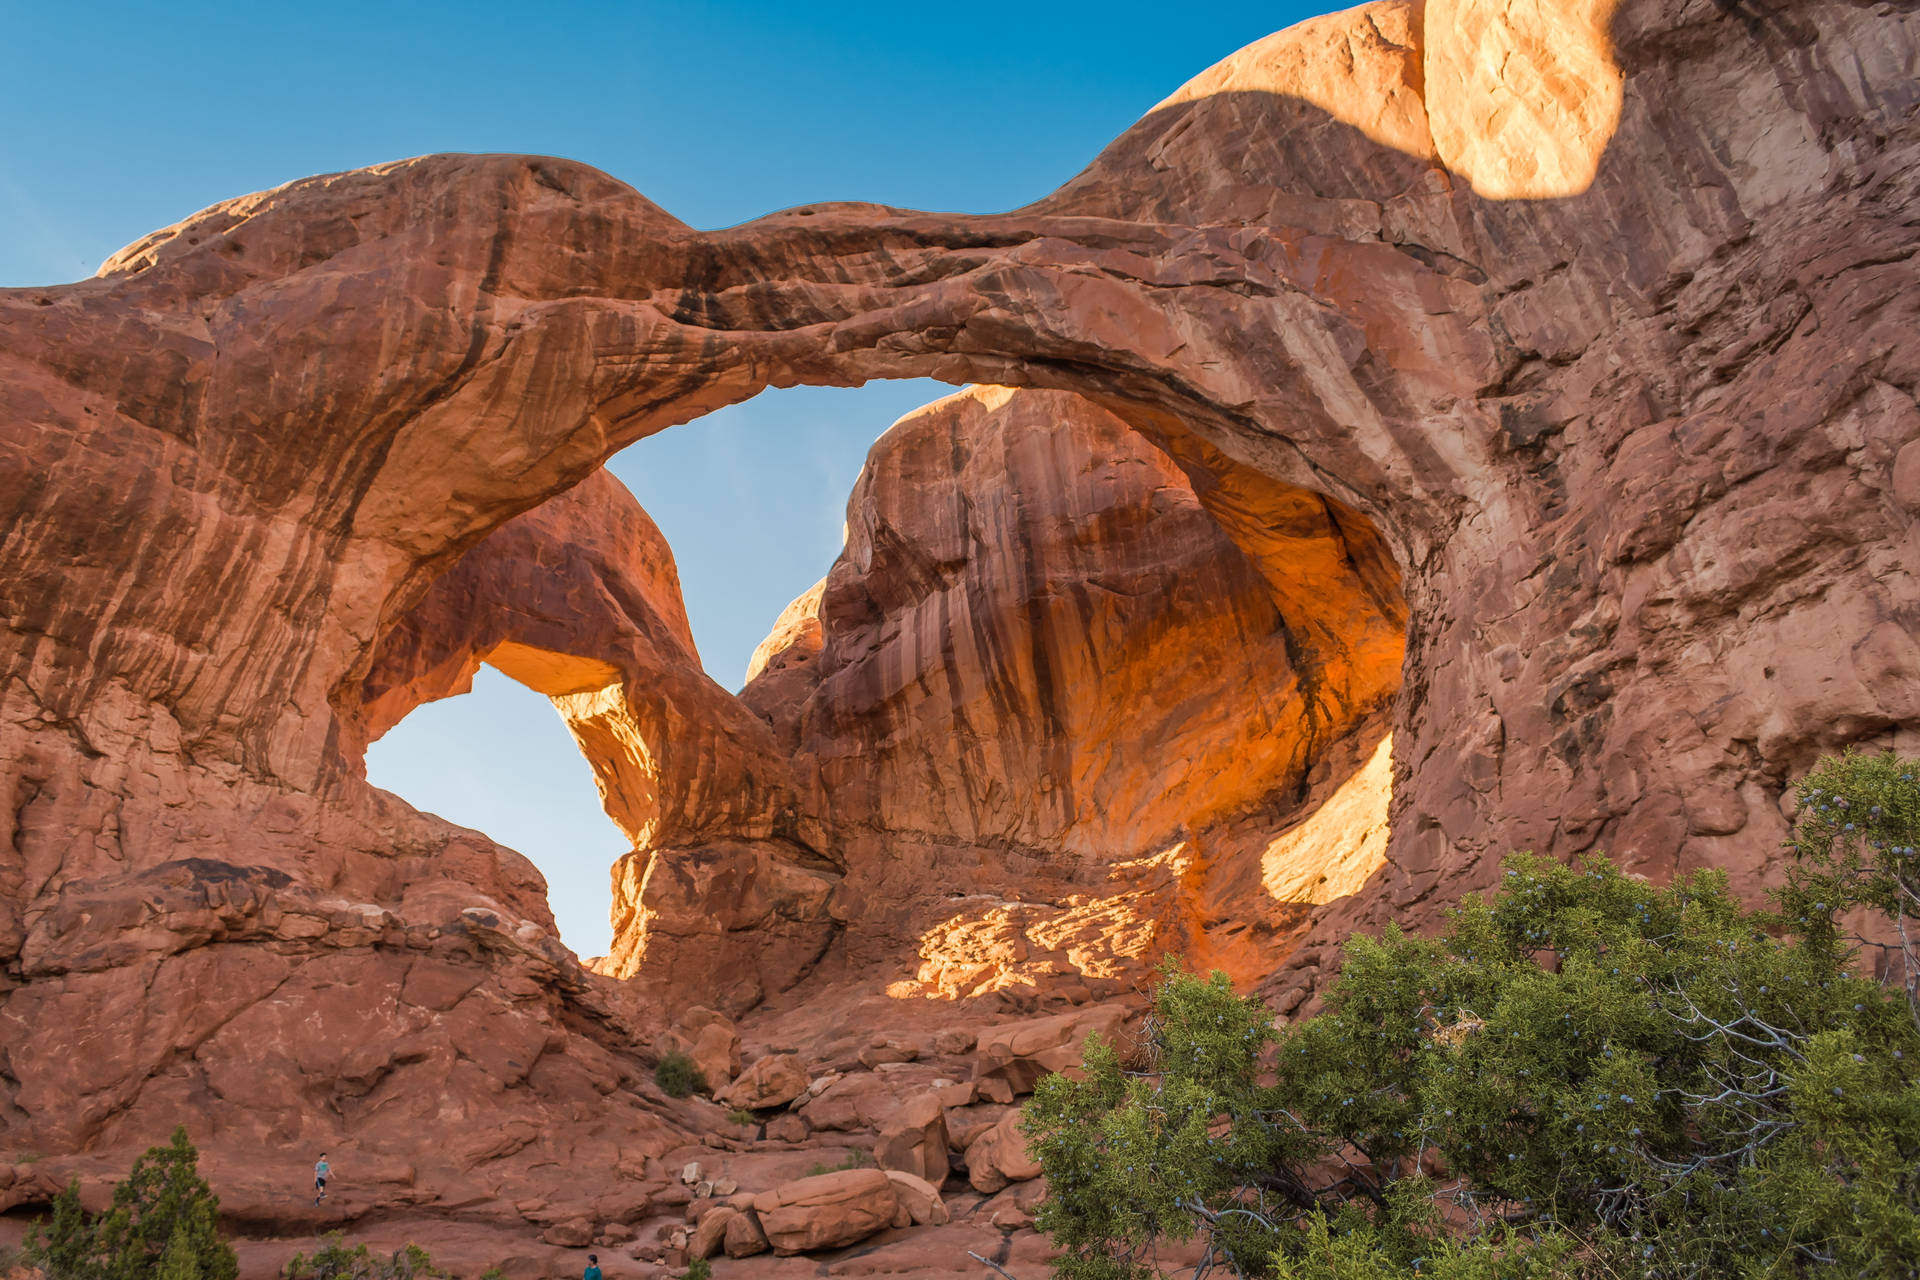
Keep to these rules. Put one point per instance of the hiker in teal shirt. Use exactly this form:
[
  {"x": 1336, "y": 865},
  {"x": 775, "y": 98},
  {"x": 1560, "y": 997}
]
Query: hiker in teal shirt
[{"x": 593, "y": 1268}]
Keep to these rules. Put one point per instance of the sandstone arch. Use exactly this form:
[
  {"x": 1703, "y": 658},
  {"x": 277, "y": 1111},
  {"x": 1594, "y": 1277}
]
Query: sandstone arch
[
  {"x": 1644, "y": 449},
  {"x": 579, "y": 600},
  {"x": 1033, "y": 615},
  {"x": 1043, "y": 708}
]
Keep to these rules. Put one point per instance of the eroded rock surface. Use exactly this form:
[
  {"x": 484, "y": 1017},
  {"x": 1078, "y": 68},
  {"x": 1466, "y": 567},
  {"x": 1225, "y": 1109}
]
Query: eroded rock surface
[
  {"x": 1043, "y": 703},
  {"x": 1598, "y": 316},
  {"x": 1035, "y": 617}
]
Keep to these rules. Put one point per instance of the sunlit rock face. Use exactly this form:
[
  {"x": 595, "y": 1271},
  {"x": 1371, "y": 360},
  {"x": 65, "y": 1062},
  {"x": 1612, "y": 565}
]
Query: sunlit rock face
[
  {"x": 1034, "y": 618},
  {"x": 1600, "y": 318},
  {"x": 1041, "y": 669}
]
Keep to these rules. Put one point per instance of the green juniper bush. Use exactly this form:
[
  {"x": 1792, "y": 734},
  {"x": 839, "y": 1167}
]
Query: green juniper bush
[{"x": 1583, "y": 1075}]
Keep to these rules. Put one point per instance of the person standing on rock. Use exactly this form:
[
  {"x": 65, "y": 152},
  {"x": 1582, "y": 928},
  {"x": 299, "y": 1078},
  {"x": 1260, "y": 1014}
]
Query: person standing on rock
[
  {"x": 593, "y": 1268},
  {"x": 320, "y": 1172}
]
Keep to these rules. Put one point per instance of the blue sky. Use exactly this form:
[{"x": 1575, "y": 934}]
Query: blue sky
[{"x": 116, "y": 119}]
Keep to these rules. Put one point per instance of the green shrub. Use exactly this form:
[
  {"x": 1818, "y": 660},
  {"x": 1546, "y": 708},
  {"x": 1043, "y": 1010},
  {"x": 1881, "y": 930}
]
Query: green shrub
[
  {"x": 335, "y": 1261},
  {"x": 678, "y": 1077},
  {"x": 163, "y": 1224},
  {"x": 699, "y": 1269},
  {"x": 740, "y": 1115},
  {"x": 1857, "y": 843},
  {"x": 1594, "y": 1076}
]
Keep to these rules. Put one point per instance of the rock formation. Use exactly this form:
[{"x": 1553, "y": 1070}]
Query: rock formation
[
  {"x": 1033, "y": 611},
  {"x": 578, "y": 599},
  {"x": 1034, "y": 619},
  {"x": 1592, "y": 319},
  {"x": 1034, "y": 614}
]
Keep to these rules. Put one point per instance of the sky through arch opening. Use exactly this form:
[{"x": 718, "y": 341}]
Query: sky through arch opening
[{"x": 499, "y": 760}]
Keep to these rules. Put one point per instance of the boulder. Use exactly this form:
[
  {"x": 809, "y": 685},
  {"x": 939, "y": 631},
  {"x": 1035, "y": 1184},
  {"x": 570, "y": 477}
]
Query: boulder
[
  {"x": 919, "y": 1200},
  {"x": 1025, "y": 1051},
  {"x": 1010, "y": 1218},
  {"x": 711, "y": 1233},
  {"x": 787, "y": 1128},
  {"x": 993, "y": 1089},
  {"x": 954, "y": 1094},
  {"x": 574, "y": 1233},
  {"x": 954, "y": 1041},
  {"x": 827, "y": 1211},
  {"x": 772, "y": 1081},
  {"x": 862, "y": 1100},
  {"x": 967, "y": 1123},
  {"x": 999, "y": 1156},
  {"x": 883, "y": 1049},
  {"x": 744, "y": 1236},
  {"x": 914, "y": 1139},
  {"x": 710, "y": 1040}
]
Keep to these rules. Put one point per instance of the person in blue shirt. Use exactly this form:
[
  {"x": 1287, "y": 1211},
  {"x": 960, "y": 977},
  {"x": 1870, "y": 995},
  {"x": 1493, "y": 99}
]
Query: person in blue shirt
[
  {"x": 593, "y": 1268},
  {"x": 320, "y": 1172}
]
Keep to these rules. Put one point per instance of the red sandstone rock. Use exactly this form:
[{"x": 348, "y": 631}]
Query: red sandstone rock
[
  {"x": 1580, "y": 332},
  {"x": 914, "y": 1139},
  {"x": 862, "y": 1100},
  {"x": 710, "y": 1040},
  {"x": 1023, "y": 1052},
  {"x": 711, "y": 1233},
  {"x": 827, "y": 1211},
  {"x": 994, "y": 1089},
  {"x": 744, "y": 1236},
  {"x": 731, "y": 920},
  {"x": 887, "y": 1049},
  {"x": 999, "y": 1156},
  {"x": 771, "y": 1081},
  {"x": 787, "y": 1128},
  {"x": 955, "y": 1040},
  {"x": 1028, "y": 583},
  {"x": 919, "y": 1199}
]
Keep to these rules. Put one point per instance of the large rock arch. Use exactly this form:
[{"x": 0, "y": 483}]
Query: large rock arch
[{"x": 1603, "y": 326}]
